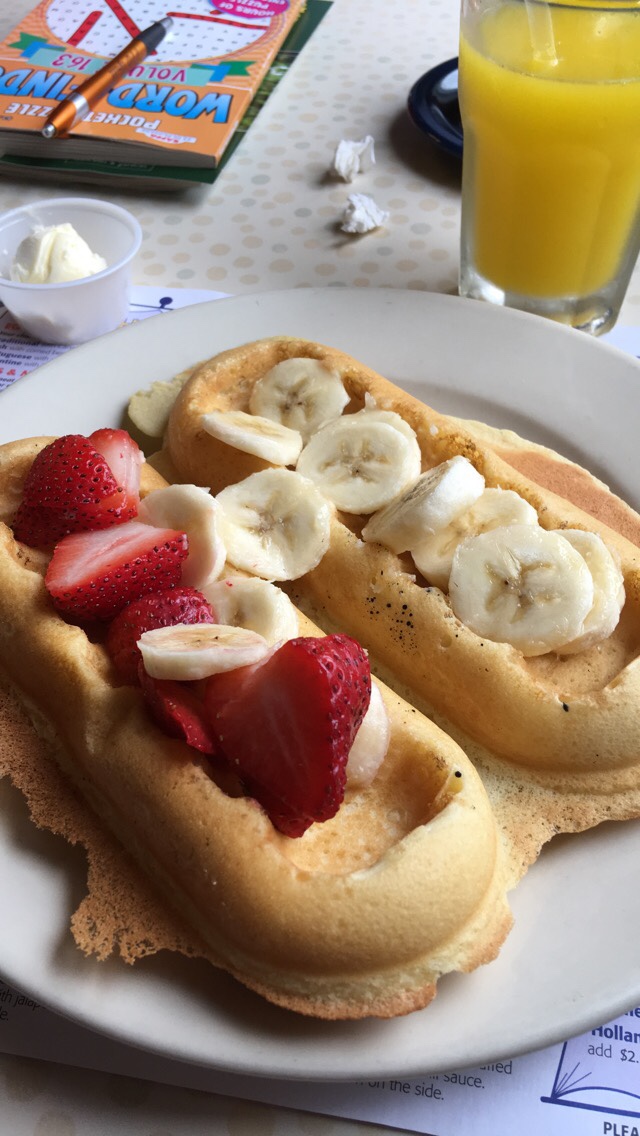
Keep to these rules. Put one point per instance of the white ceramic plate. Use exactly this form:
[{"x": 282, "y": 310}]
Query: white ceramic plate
[{"x": 572, "y": 960}]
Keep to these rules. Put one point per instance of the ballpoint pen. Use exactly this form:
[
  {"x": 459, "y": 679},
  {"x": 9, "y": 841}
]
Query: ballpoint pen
[{"x": 73, "y": 109}]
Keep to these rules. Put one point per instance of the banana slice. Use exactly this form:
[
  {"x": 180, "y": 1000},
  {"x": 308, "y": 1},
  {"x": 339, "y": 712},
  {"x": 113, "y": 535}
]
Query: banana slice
[
  {"x": 255, "y": 604},
  {"x": 433, "y": 502},
  {"x": 192, "y": 510},
  {"x": 359, "y": 464},
  {"x": 303, "y": 394},
  {"x": 374, "y": 413},
  {"x": 521, "y": 585},
  {"x": 275, "y": 524},
  {"x": 608, "y": 590},
  {"x": 253, "y": 435},
  {"x": 370, "y": 744},
  {"x": 494, "y": 509},
  {"x": 197, "y": 650}
]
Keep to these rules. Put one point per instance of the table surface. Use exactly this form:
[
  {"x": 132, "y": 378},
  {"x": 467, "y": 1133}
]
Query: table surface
[{"x": 269, "y": 222}]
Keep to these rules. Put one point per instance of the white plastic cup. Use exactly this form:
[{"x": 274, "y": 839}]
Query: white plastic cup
[{"x": 77, "y": 310}]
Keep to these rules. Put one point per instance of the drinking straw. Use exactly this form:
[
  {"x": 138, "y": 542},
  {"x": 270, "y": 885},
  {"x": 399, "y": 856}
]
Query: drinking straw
[{"x": 541, "y": 32}]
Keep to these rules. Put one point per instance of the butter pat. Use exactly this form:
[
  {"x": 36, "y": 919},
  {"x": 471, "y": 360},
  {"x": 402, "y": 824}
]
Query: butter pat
[
  {"x": 54, "y": 255},
  {"x": 361, "y": 215},
  {"x": 352, "y": 158}
]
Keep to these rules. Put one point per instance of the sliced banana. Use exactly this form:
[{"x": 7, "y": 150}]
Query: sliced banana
[
  {"x": 429, "y": 505},
  {"x": 197, "y": 650},
  {"x": 493, "y": 509},
  {"x": 370, "y": 744},
  {"x": 149, "y": 408},
  {"x": 608, "y": 590},
  {"x": 254, "y": 435},
  {"x": 375, "y": 413},
  {"x": 521, "y": 585},
  {"x": 303, "y": 394},
  {"x": 360, "y": 464},
  {"x": 275, "y": 524},
  {"x": 255, "y": 604},
  {"x": 192, "y": 510}
]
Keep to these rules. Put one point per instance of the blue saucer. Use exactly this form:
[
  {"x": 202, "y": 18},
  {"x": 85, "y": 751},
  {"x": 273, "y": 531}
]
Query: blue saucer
[{"x": 433, "y": 106}]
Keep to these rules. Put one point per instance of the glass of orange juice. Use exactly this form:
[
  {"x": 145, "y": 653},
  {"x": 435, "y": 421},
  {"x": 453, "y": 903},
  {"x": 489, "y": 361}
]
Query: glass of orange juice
[{"x": 550, "y": 104}]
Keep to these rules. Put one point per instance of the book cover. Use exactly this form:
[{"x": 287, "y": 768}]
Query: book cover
[
  {"x": 181, "y": 106},
  {"x": 171, "y": 177}
]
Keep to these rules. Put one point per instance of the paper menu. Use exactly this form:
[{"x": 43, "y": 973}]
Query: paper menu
[
  {"x": 588, "y": 1085},
  {"x": 625, "y": 339}
]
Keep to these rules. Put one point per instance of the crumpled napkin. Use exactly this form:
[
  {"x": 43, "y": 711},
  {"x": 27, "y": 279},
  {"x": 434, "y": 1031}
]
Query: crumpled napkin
[
  {"x": 361, "y": 214},
  {"x": 352, "y": 158}
]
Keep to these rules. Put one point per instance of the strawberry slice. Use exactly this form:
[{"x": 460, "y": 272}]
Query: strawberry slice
[
  {"x": 286, "y": 726},
  {"x": 158, "y": 609},
  {"x": 67, "y": 474},
  {"x": 68, "y": 481},
  {"x": 124, "y": 458},
  {"x": 93, "y": 575},
  {"x": 38, "y": 526},
  {"x": 178, "y": 711},
  {"x": 71, "y": 487}
]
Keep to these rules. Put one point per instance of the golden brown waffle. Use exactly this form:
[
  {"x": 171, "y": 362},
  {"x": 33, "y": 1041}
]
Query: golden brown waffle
[
  {"x": 359, "y": 917},
  {"x": 556, "y": 739}
]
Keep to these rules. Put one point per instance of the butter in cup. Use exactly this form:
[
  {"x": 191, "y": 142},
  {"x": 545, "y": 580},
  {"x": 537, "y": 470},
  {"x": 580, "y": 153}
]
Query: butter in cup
[{"x": 71, "y": 311}]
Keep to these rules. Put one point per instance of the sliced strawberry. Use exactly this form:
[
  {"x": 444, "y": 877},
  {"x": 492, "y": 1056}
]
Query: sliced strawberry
[
  {"x": 158, "y": 609},
  {"x": 124, "y": 458},
  {"x": 38, "y": 526},
  {"x": 286, "y": 725},
  {"x": 68, "y": 477},
  {"x": 93, "y": 575},
  {"x": 178, "y": 711},
  {"x": 72, "y": 487},
  {"x": 68, "y": 473}
]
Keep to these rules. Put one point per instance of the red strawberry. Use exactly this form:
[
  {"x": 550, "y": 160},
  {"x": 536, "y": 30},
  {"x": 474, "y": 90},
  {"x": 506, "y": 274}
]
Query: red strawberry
[
  {"x": 158, "y": 609},
  {"x": 39, "y": 526},
  {"x": 69, "y": 473},
  {"x": 72, "y": 488},
  {"x": 93, "y": 575},
  {"x": 178, "y": 711},
  {"x": 286, "y": 725},
  {"x": 68, "y": 477},
  {"x": 124, "y": 458}
]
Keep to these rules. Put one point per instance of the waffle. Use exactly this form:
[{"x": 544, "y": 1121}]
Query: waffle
[
  {"x": 359, "y": 917},
  {"x": 554, "y": 738}
]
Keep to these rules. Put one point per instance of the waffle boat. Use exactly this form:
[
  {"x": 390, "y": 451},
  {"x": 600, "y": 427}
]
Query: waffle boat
[
  {"x": 359, "y": 917},
  {"x": 555, "y": 736}
]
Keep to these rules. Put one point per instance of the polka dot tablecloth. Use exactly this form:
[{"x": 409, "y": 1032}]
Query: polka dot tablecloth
[{"x": 271, "y": 221}]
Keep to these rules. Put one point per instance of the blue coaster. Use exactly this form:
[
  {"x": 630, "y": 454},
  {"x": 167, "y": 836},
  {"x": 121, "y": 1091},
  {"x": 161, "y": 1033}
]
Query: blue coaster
[{"x": 433, "y": 106}]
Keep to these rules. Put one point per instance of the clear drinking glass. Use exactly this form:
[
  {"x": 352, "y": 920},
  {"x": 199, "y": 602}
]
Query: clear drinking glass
[{"x": 550, "y": 105}]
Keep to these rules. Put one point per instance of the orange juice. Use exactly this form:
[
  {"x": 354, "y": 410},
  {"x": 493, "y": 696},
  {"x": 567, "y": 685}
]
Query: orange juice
[{"x": 551, "y": 172}]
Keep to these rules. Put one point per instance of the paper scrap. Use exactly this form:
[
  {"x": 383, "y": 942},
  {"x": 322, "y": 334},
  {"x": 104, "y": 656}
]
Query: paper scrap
[
  {"x": 362, "y": 215},
  {"x": 352, "y": 158}
]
